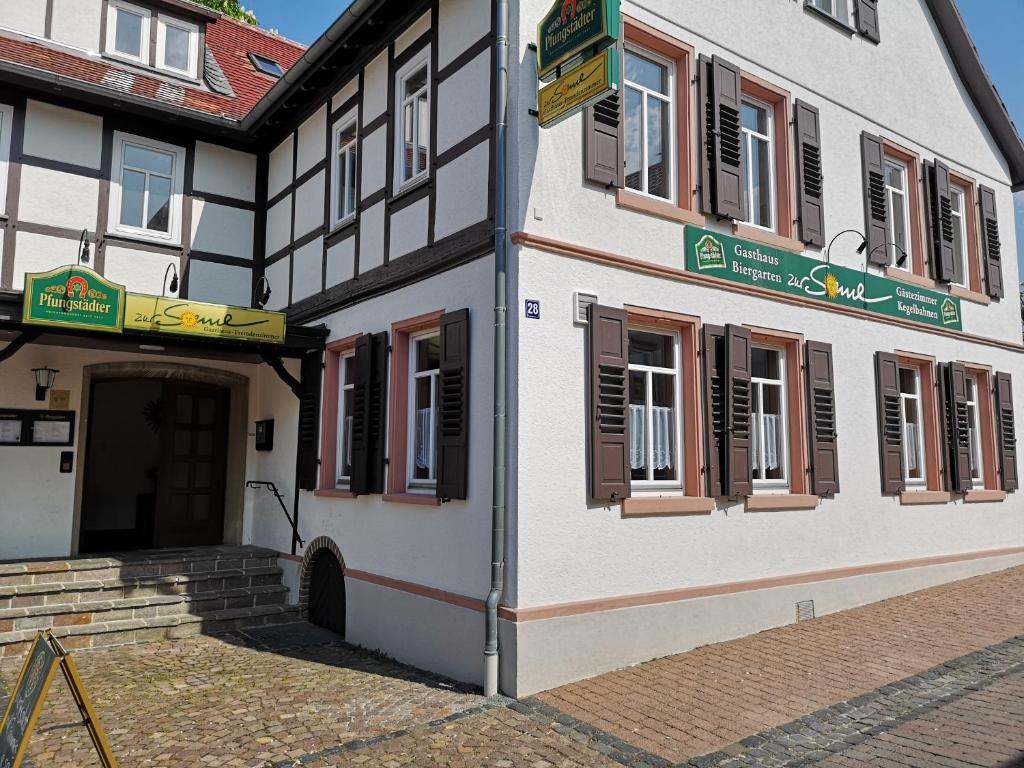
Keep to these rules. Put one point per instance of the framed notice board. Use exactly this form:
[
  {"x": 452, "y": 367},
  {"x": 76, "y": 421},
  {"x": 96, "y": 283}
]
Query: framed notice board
[{"x": 21, "y": 427}]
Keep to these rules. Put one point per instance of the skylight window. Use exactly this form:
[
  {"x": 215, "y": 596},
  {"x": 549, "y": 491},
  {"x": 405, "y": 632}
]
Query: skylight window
[{"x": 266, "y": 65}]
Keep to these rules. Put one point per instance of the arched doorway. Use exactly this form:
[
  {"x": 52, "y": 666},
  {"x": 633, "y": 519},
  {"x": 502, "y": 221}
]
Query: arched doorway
[{"x": 327, "y": 592}]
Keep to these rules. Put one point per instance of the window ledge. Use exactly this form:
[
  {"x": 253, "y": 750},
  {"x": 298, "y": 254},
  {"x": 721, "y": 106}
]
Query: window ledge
[
  {"x": 625, "y": 198},
  {"x": 984, "y": 494},
  {"x": 411, "y": 186},
  {"x": 421, "y": 499},
  {"x": 914, "y": 498},
  {"x": 137, "y": 237},
  {"x": 341, "y": 226},
  {"x": 777, "y": 502},
  {"x": 829, "y": 19},
  {"x": 334, "y": 493},
  {"x": 909, "y": 277},
  {"x": 655, "y": 506},
  {"x": 765, "y": 237},
  {"x": 968, "y": 295}
]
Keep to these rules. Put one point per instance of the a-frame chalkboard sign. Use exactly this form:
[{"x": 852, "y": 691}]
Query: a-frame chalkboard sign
[{"x": 29, "y": 693}]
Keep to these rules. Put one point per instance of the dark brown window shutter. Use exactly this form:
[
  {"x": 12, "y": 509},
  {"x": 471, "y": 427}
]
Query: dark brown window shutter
[
  {"x": 609, "y": 404},
  {"x": 1007, "y": 440},
  {"x": 956, "y": 426},
  {"x": 990, "y": 242},
  {"x": 867, "y": 19},
  {"x": 821, "y": 402},
  {"x": 890, "y": 421},
  {"x": 810, "y": 187},
  {"x": 727, "y": 170},
  {"x": 311, "y": 372},
  {"x": 875, "y": 205},
  {"x": 453, "y": 413},
  {"x": 705, "y": 138},
  {"x": 713, "y": 343},
  {"x": 940, "y": 217},
  {"x": 738, "y": 469},
  {"x": 604, "y": 153},
  {"x": 369, "y": 403}
]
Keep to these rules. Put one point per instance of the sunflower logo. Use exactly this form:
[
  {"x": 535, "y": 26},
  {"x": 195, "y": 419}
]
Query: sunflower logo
[
  {"x": 831, "y": 286},
  {"x": 189, "y": 319}
]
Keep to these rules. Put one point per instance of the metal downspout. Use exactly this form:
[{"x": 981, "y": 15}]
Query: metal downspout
[{"x": 500, "y": 350}]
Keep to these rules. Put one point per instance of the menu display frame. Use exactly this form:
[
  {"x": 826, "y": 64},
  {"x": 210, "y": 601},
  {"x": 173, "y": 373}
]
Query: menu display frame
[{"x": 28, "y": 420}]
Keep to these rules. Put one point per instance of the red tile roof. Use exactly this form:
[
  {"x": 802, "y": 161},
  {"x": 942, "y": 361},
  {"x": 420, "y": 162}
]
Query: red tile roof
[{"x": 229, "y": 40}]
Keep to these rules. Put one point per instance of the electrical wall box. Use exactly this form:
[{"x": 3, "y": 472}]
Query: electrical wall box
[{"x": 265, "y": 435}]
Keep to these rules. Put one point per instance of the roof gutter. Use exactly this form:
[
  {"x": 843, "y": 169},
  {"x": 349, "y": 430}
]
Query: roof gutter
[
  {"x": 983, "y": 93},
  {"x": 310, "y": 59}
]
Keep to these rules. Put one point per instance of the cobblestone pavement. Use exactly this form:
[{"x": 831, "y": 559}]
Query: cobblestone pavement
[
  {"x": 928, "y": 679},
  {"x": 698, "y": 702}
]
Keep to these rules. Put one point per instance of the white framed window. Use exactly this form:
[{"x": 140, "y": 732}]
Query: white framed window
[
  {"x": 769, "y": 426},
  {"x": 412, "y": 95},
  {"x": 974, "y": 431},
  {"x": 128, "y": 31},
  {"x": 837, "y": 9},
  {"x": 6, "y": 120},
  {"x": 655, "y": 426},
  {"x": 757, "y": 150},
  {"x": 898, "y": 213},
  {"x": 346, "y": 409},
  {"x": 958, "y": 210},
  {"x": 424, "y": 372},
  {"x": 177, "y": 46},
  {"x": 649, "y": 83},
  {"x": 343, "y": 189},
  {"x": 913, "y": 426},
  {"x": 146, "y": 188}
]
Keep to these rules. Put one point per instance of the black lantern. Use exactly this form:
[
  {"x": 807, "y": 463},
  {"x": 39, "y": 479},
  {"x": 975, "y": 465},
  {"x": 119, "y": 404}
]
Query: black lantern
[{"x": 44, "y": 380}]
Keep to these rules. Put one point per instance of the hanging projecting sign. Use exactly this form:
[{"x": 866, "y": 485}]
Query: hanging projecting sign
[
  {"x": 73, "y": 297},
  {"x": 741, "y": 261},
  {"x": 574, "y": 27},
  {"x": 580, "y": 88},
  {"x": 192, "y": 318}
]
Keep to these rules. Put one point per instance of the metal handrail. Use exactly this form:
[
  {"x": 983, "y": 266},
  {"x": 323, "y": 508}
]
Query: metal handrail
[{"x": 280, "y": 500}]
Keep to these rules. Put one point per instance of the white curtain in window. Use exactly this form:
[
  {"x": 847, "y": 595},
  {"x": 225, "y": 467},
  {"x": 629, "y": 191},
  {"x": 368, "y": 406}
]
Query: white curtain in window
[
  {"x": 348, "y": 439},
  {"x": 661, "y": 416},
  {"x": 771, "y": 441},
  {"x": 910, "y": 437},
  {"x": 637, "y": 436},
  {"x": 421, "y": 450}
]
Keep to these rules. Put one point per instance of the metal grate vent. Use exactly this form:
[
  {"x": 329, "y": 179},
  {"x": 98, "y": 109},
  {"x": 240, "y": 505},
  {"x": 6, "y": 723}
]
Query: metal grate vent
[
  {"x": 581, "y": 304},
  {"x": 805, "y": 610}
]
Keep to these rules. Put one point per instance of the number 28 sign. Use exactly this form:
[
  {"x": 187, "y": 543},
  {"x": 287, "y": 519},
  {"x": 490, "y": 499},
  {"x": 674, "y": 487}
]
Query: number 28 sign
[{"x": 532, "y": 309}]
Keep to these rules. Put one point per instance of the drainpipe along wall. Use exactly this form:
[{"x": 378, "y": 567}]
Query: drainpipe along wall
[{"x": 500, "y": 350}]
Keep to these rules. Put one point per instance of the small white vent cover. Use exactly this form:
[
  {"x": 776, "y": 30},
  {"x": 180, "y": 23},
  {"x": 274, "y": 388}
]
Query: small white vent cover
[
  {"x": 805, "y": 610},
  {"x": 581, "y": 305}
]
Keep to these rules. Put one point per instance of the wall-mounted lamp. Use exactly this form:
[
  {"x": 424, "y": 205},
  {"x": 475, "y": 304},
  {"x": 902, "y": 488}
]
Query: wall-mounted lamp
[
  {"x": 44, "y": 381},
  {"x": 174, "y": 280},
  {"x": 904, "y": 256},
  {"x": 83, "y": 247},
  {"x": 860, "y": 248},
  {"x": 261, "y": 297}
]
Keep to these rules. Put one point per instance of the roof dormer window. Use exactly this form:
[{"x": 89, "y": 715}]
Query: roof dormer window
[
  {"x": 173, "y": 49},
  {"x": 266, "y": 65},
  {"x": 177, "y": 46},
  {"x": 128, "y": 31}
]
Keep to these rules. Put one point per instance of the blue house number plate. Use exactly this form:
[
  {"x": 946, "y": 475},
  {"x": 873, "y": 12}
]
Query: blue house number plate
[{"x": 532, "y": 309}]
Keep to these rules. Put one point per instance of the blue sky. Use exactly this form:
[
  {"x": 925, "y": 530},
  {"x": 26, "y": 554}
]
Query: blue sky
[{"x": 994, "y": 24}]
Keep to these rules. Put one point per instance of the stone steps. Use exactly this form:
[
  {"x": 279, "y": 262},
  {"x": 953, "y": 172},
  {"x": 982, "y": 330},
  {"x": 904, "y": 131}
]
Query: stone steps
[{"x": 139, "y": 597}]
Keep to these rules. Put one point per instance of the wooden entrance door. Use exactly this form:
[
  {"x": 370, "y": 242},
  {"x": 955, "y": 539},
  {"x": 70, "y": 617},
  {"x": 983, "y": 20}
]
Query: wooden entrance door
[{"x": 193, "y": 465}]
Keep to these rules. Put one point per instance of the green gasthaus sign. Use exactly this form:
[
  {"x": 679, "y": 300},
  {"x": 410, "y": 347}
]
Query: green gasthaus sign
[
  {"x": 73, "y": 297},
  {"x": 741, "y": 261},
  {"x": 574, "y": 27}
]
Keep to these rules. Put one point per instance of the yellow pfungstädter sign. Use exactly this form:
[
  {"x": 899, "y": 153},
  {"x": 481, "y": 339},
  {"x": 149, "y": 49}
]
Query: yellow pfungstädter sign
[
  {"x": 193, "y": 318},
  {"x": 579, "y": 88}
]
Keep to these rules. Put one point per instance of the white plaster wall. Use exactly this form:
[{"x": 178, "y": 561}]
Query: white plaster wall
[
  {"x": 77, "y": 22},
  {"x": 219, "y": 283},
  {"x": 409, "y": 228},
  {"x": 374, "y": 158},
  {"x": 140, "y": 271},
  {"x": 281, "y": 168},
  {"x": 856, "y": 95},
  {"x": 41, "y": 253},
  {"x": 309, "y": 205},
  {"x": 457, "y": 115},
  {"x": 223, "y": 171},
  {"x": 462, "y": 189},
  {"x": 24, "y": 15},
  {"x": 371, "y": 237},
  {"x": 279, "y": 225},
  {"x": 307, "y": 269},
  {"x": 312, "y": 141},
  {"x": 278, "y": 274},
  {"x": 58, "y": 198},
  {"x": 570, "y": 549},
  {"x": 412, "y": 33},
  {"x": 341, "y": 261},
  {"x": 57, "y": 133},
  {"x": 463, "y": 22},
  {"x": 348, "y": 90},
  {"x": 222, "y": 229},
  {"x": 375, "y": 87}
]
